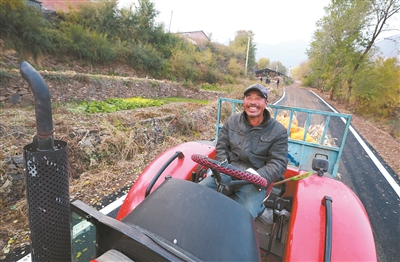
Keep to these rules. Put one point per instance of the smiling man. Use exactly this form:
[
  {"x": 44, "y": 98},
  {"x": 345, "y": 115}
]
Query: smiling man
[{"x": 252, "y": 139}]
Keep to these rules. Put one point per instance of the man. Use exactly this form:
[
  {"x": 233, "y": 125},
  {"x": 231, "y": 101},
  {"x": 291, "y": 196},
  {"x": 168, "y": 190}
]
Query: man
[{"x": 252, "y": 139}]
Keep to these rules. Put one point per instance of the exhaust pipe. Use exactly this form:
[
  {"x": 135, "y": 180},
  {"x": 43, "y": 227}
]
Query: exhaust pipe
[
  {"x": 47, "y": 180},
  {"x": 44, "y": 120}
]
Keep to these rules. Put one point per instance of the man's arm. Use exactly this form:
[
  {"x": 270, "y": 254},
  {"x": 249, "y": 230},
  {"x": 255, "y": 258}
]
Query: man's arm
[{"x": 222, "y": 146}]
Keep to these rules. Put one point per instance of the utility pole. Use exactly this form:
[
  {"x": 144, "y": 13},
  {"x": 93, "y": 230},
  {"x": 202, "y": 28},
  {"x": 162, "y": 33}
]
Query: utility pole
[
  {"x": 247, "y": 56},
  {"x": 170, "y": 21}
]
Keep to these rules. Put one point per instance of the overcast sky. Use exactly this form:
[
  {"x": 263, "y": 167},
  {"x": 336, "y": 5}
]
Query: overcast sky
[{"x": 272, "y": 21}]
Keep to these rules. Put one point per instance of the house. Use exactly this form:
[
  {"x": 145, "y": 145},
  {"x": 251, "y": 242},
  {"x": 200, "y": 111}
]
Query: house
[{"x": 199, "y": 37}]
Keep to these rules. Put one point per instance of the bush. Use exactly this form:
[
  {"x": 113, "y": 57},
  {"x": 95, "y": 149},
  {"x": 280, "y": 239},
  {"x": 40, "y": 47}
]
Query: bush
[
  {"x": 88, "y": 45},
  {"x": 229, "y": 79},
  {"x": 144, "y": 57},
  {"x": 376, "y": 89},
  {"x": 25, "y": 28}
]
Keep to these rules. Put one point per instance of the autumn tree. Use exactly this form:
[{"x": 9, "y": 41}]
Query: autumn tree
[
  {"x": 239, "y": 47},
  {"x": 300, "y": 72},
  {"x": 263, "y": 62},
  {"x": 378, "y": 17},
  {"x": 342, "y": 43},
  {"x": 335, "y": 44}
]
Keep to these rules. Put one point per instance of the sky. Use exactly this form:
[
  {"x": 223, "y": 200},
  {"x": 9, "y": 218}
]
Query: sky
[{"x": 272, "y": 21}]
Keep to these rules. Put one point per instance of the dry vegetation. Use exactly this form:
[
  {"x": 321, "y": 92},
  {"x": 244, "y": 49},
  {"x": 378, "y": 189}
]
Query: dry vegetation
[{"x": 106, "y": 152}]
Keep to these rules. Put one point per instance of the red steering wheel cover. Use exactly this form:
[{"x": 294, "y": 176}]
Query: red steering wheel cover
[{"x": 239, "y": 174}]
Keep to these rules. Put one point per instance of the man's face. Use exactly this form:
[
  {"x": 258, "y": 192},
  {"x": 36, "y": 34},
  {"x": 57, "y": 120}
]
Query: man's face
[{"x": 254, "y": 104}]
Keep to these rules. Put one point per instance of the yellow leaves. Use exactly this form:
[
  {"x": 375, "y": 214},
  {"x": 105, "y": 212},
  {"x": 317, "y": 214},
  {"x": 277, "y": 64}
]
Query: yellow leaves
[{"x": 7, "y": 249}]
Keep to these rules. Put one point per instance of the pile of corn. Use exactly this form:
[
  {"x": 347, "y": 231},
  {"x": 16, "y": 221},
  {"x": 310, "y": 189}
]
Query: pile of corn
[{"x": 314, "y": 134}]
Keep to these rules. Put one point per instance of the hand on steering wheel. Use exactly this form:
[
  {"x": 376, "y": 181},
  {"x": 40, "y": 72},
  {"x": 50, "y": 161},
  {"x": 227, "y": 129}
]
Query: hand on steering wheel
[{"x": 230, "y": 170}]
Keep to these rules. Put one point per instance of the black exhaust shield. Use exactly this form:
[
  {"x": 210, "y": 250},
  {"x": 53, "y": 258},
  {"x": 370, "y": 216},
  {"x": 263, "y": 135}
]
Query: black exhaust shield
[{"x": 47, "y": 180}]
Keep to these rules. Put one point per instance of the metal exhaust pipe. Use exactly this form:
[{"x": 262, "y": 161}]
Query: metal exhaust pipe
[
  {"x": 47, "y": 180},
  {"x": 44, "y": 120}
]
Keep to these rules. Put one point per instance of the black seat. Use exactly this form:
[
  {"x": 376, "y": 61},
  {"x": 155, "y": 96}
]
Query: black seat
[{"x": 199, "y": 220}]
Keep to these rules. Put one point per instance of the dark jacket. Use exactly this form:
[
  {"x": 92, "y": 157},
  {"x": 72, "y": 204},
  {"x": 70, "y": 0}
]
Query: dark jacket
[{"x": 263, "y": 148}]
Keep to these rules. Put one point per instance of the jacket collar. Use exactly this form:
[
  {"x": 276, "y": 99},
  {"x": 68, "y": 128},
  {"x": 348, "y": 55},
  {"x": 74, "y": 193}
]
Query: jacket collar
[{"x": 266, "y": 118}]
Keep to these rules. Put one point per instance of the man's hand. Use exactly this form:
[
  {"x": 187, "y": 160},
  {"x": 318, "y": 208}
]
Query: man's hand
[{"x": 251, "y": 170}]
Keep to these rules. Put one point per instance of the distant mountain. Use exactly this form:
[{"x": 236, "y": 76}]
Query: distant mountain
[
  {"x": 390, "y": 46},
  {"x": 289, "y": 53},
  {"x": 293, "y": 53}
]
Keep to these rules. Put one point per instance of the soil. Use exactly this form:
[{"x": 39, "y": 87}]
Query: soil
[{"x": 95, "y": 180}]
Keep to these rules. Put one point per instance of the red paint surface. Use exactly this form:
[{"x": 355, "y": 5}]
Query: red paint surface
[
  {"x": 352, "y": 238},
  {"x": 179, "y": 168}
]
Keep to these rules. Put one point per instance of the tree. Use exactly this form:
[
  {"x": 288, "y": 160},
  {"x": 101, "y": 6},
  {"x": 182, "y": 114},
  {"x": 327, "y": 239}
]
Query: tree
[
  {"x": 334, "y": 45},
  {"x": 300, "y": 72},
  {"x": 263, "y": 62},
  {"x": 381, "y": 12},
  {"x": 344, "y": 39},
  {"x": 240, "y": 43}
]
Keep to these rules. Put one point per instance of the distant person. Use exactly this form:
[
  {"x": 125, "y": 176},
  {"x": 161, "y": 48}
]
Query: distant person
[
  {"x": 277, "y": 83},
  {"x": 261, "y": 79}
]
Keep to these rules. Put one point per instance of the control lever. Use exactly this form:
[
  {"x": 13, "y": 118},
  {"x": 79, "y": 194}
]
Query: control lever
[{"x": 282, "y": 216}]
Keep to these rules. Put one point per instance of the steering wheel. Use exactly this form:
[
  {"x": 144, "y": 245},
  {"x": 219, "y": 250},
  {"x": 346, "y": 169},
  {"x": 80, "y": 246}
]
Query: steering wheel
[{"x": 230, "y": 170}]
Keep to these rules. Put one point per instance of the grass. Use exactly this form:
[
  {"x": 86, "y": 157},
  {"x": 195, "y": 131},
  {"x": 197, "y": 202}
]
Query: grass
[
  {"x": 118, "y": 104},
  {"x": 3, "y": 76},
  {"x": 106, "y": 151},
  {"x": 60, "y": 79},
  {"x": 213, "y": 87}
]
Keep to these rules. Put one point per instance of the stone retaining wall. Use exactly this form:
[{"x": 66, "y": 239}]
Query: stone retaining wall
[
  {"x": 69, "y": 86},
  {"x": 71, "y": 80}
]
